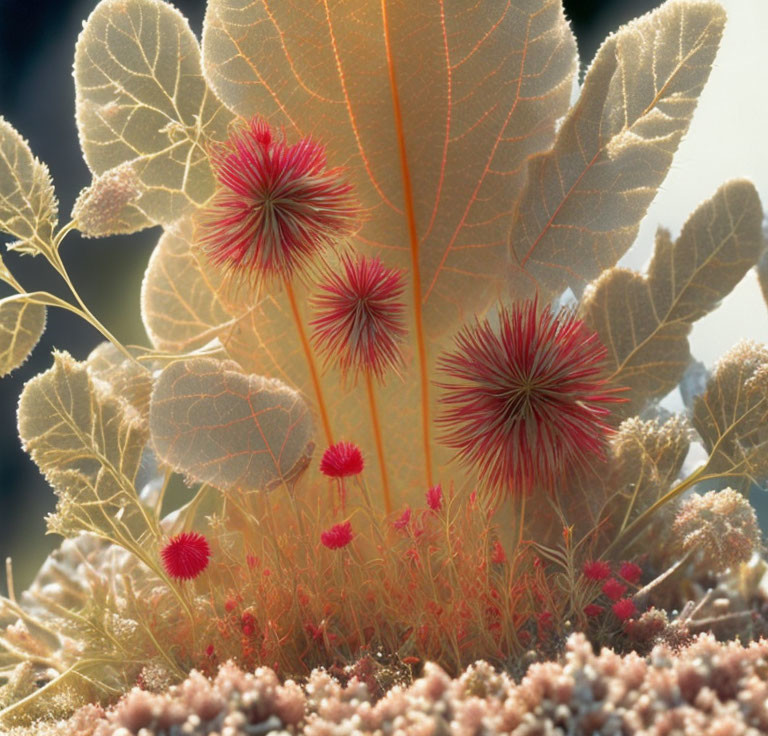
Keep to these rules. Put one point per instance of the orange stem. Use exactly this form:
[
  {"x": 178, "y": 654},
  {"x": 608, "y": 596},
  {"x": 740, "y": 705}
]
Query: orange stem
[
  {"x": 414, "y": 241},
  {"x": 313, "y": 372},
  {"x": 378, "y": 440}
]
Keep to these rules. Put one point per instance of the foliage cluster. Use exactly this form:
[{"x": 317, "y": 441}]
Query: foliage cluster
[{"x": 483, "y": 199}]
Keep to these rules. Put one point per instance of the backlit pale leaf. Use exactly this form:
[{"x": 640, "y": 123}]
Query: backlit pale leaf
[
  {"x": 584, "y": 200},
  {"x": 762, "y": 273},
  {"x": 28, "y": 207},
  {"x": 433, "y": 108},
  {"x": 216, "y": 425},
  {"x": 125, "y": 380},
  {"x": 89, "y": 450},
  {"x": 141, "y": 98},
  {"x": 180, "y": 305},
  {"x": 644, "y": 321},
  {"x": 732, "y": 414},
  {"x": 21, "y": 326}
]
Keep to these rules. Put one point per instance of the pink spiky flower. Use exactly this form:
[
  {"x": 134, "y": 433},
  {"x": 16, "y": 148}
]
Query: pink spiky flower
[
  {"x": 526, "y": 400},
  {"x": 277, "y": 205},
  {"x": 186, "y": 555},
  {"x": 359, "y": 316}
]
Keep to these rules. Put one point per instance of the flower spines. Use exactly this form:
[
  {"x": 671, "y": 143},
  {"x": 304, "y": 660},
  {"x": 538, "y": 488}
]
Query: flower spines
[
  {"x": 359, "y": 316},
  {"x": 526, "y": 399},
  {"x": 277, "y": 205},
  {"x": 186, "y": 555}
]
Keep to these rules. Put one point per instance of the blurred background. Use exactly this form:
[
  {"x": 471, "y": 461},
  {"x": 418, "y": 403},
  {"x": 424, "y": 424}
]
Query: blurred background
[{"x": 37, "y": 39}]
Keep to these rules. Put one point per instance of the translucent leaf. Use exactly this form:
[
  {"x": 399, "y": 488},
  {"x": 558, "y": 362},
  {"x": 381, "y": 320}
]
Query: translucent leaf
[
  {"x": 28, "y": 207},
  {"x": 584, "y": 200},
  {"x": 141, "y": 98},
  {"x": 644, "y": 321},
  {"x": 732, "y": 415},
  {"x": 237, "y": 432},
  {"x": 89, "y": 451},
  {"x": 21, "y": 326},
  {"x": 180, "y": 304},
  {"x": 125, "y": 380},
  {"x": 433, "y": 108},
  {"x": 762, "y": 272}
]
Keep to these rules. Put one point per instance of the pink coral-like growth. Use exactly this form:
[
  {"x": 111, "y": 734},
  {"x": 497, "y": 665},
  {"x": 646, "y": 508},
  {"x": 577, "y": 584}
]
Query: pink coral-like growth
[
  {"x": 359, "y": 316},
  {"x": 277, "y": 205},
  {"x": 525, "y": 400},
  {"x": 186, "y": 555}
]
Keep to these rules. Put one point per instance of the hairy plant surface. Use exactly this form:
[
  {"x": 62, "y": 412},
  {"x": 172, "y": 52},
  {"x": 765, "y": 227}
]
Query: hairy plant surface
[{"x": 371, "y": 215}]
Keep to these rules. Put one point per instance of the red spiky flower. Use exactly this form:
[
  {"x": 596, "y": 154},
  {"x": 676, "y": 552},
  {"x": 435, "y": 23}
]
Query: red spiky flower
[
  {"x": 186, "y": 555},
  {"x": 359, "y": 316},
  {"x": 342, "y": 460},
  {"x": 338, "y": 536},
  {"x": 526, "y": 399},
  {"x": 277, "y": 205}
]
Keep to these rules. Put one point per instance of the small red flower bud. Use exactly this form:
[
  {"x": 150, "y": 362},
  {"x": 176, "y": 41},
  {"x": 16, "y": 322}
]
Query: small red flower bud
[
  {"x": 402, "y": 521},
  {"x": 630, "y": 572},
  {"x": 614, "y": 589},
  {"x": 498, "y": 556},
  {"x": 338, "y": 536},
  {"x": 435, "y": 497},
  {"x": 596, "y": 570},
  {"x": 624, "y": 609},
  {"x": 186, "y": 555},
  {"x": 341, "y": 460},
  {"x": 593, "y": 609}
]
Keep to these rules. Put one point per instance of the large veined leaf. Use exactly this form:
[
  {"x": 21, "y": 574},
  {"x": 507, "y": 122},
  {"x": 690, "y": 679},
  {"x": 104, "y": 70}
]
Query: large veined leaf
[
  {"x": 125, "y": 380},
  {"x": 217, "y": 425},
  {"x": 28, "y": 207},
  {"x": 180, "y": 301},
  {"x": 141, "y": 98},
  {"x": 584, "y": 200},
  {"x": 644, "y": 321},
  {"x": 21, "y": 326},
  {"x": 89, "y": 449},
  {"x": 434, "y": 108}
]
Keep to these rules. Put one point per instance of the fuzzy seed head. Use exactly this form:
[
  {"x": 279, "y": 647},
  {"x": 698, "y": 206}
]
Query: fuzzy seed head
[
  {"x": 277, "y": 205},
  {"x": 186, "y": 555},
  {"x": 525, "y": 400},
  {"x": 720, "y": 525},
  {"x": 358, "y": 322},
  {"x": 342, "y": 460}
]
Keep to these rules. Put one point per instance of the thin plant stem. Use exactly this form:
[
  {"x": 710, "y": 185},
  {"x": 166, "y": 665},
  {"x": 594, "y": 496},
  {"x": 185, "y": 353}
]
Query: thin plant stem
[
  {"x": 58, "y": 264},
  {"x": 410, "y": 213},
  {"x": 310, "y": 358},
  {"x": 379, "y": 440}
]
